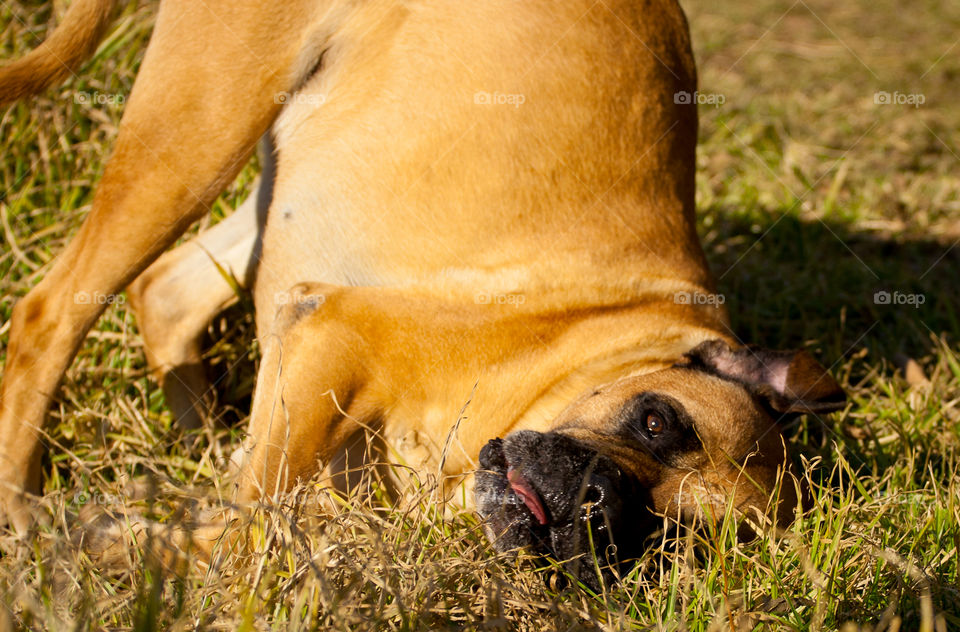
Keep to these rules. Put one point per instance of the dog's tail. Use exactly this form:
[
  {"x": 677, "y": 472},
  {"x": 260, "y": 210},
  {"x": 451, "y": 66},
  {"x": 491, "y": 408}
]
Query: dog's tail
[{"x": 71, "y": 43}]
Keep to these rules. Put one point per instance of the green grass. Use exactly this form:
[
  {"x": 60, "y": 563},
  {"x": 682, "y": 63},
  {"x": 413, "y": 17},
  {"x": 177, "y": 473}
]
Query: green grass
[{"x": 812, "y": 198}]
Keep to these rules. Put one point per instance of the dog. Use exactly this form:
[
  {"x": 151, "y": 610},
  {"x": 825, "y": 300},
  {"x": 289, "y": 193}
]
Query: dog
[{"x": 489, "y": 202}]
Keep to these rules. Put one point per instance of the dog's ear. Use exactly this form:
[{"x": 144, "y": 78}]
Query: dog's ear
[{"x": 792, "y": 382}]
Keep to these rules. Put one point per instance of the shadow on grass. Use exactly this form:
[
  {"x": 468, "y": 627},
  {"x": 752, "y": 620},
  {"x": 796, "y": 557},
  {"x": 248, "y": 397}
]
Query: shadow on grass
[
  {"x": 856, "y": 299},
  {"x": 792, "y": 283}
]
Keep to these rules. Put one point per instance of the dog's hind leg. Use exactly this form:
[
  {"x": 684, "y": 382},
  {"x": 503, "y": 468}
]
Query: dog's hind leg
[
  {"x": 181, "y": 292},
  {"x": 205, "y": 93}
]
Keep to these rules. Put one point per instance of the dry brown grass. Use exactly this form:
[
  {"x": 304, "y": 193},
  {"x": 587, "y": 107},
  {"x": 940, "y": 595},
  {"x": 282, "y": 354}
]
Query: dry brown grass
[{"x": 813, "y": 197}]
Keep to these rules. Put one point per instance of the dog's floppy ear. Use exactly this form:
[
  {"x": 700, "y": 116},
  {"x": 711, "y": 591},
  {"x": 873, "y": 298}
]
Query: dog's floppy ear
[{"x": 792, "y": 382}]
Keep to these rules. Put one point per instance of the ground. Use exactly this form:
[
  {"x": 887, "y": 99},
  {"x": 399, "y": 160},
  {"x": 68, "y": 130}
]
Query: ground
[{"x": 829, "y": 201}]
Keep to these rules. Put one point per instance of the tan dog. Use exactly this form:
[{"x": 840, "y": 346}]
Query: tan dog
[{"x": 490, "y": 201}]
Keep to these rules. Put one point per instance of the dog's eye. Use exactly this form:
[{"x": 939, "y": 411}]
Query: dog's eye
[
  {"x": 654, "y": 424},
  {"x": 659, "y": 424}
]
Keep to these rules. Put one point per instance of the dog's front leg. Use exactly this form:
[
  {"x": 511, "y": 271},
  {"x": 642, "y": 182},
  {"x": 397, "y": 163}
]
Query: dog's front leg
[
  {"x": 309, "y": 397},
  {"x": 205, "y": 93}
]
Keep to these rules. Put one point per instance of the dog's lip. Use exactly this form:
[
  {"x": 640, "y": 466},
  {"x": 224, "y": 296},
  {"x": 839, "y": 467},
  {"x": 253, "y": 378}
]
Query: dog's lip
[{"x": 522, "y": 488}]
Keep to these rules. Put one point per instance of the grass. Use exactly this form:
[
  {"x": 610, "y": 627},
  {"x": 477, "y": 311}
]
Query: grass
[{"x": 812, "y": 198}]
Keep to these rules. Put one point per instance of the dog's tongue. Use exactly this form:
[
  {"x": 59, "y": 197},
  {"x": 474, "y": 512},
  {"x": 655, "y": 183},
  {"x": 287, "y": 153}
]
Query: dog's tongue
[{"x": 527, "y": 494}]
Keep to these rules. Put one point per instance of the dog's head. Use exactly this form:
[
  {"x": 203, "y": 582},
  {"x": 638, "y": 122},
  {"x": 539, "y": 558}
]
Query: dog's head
[{"x": 689, "y": 440}]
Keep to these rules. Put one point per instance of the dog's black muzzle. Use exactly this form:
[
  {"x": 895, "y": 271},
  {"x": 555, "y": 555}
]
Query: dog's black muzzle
[{"x": 552, "y": 494}]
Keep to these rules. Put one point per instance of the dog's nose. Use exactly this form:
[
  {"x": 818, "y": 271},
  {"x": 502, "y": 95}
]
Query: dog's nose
[
  {"x": 597, "y": 489},
  {"x": 597, "y": 493}
]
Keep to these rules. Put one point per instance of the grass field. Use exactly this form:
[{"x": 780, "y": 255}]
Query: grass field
[{"x": 823, "y": 180}]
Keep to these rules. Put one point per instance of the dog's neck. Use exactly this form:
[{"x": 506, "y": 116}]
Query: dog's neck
[
  {"x": 583, "y": 351},
  {"x": 636, "y": 349}
]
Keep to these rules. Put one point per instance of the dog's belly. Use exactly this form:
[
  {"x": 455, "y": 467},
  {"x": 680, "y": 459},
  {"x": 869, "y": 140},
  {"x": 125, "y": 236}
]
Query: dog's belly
[{"x": 539, "y": 159}]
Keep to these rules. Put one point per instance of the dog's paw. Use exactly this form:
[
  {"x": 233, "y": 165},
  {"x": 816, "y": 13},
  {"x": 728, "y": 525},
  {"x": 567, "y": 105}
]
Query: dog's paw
[
  {"x": 111, "y": 538},
  {"x": 118, "y": 538}
]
